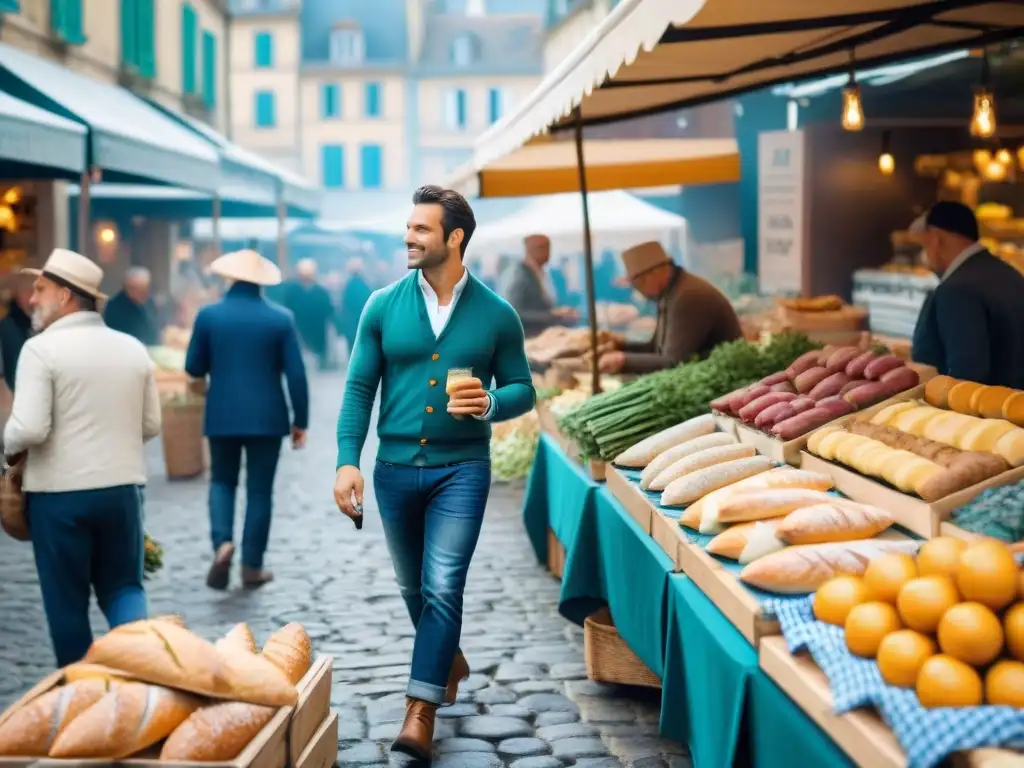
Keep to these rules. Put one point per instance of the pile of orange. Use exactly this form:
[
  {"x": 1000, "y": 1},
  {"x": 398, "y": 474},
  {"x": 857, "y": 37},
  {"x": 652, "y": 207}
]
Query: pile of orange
[{"x": 949, "y": 623}]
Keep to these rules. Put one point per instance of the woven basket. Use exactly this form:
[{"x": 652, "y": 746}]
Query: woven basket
[
  {"x": 184, "y": 454},
  {"x": 12, "y": 507},
  {"x": 556, "y": 555},
  {"x": 607, "y": 656}
]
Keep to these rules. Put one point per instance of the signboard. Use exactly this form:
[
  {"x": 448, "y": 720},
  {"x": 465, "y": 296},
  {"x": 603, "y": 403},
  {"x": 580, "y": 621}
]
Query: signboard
[{"x": 781, "y": 210}]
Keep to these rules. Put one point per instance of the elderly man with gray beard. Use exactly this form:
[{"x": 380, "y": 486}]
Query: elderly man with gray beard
[{"x": 85, "y": 402}]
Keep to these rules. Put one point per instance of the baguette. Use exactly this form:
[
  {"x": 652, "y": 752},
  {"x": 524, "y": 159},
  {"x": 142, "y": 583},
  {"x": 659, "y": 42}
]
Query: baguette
[
  {"x": 255, "y": 679},
  {"x": 126, "y": 720},
  {"x": 644, "y": 452},
  {"x": 731, "y": 542},
  {"x": 834, "y": 520},
  {"x": 700, "y": 460},
  {"x": 217, "y": 733},
  {"x": 30, "y": 730},
  {"x": 801, "y": 570},
  {"x": 238, "y": 638},
  {"x": 667, "y": 458},
  {"x": 761, "y": 504},
  {"x": 290, "y": 650},
  {"x": 691, "y": 487},
  {"x": 761, "y": 542}
]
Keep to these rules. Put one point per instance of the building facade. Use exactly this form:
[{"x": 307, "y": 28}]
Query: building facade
[{"x": 377, "y": 95}]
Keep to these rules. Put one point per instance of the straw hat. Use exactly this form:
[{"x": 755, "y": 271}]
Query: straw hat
[
  {"x": 72, "y": 270},
  {"x": 248, "y": 267},
  {"x": 643, "y": 258}
]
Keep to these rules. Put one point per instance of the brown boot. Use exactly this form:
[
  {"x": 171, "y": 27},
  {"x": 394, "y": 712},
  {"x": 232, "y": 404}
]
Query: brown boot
[
  {"x": 416, "y": 738},
  {"x": 460, "y": 671},
  {"x": 253, "y": 578},
  {"x": 220, "y": 570}
]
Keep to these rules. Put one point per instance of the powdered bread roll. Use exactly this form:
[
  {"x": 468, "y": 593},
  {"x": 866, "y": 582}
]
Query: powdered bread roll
[
  {"x": 692, "y": 486},
  {"x": 700, "y": 460},
  {"x": 217, "y": 733},
  {"x": 666, "y": 459},
  {"x": 761, "y": 504},
  {"x": 129, "y": 718},
  {"x": 833, "y": 520},
  {"x": 30, "y": 730},
  {"x": 238, "y": 638},
  {"x": 644, "y": 452},
  {"x": 290, "y": 650},
  {"x": 800, "y": 570}
]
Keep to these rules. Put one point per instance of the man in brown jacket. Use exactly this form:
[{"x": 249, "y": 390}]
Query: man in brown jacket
[{"x": 693, "y": 316}]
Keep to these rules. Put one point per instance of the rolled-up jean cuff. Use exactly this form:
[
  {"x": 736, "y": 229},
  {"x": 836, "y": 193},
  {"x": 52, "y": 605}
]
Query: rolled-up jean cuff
[{"x": 432, "y": 694}]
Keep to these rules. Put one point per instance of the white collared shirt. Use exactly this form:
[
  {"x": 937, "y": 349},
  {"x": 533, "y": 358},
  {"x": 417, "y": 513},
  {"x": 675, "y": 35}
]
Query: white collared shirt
[
  {"x": 439, "y": 315},
  {"x": 972, "y": 250}
]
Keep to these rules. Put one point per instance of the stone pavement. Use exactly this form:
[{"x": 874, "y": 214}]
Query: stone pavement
[{"x": 527, "y": 704}]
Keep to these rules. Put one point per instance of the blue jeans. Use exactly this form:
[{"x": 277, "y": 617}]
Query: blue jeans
[
  {"x": 432, "y": 518},
  {"x": 261, "y": 455},
  {"x": 86, "y": 539}
]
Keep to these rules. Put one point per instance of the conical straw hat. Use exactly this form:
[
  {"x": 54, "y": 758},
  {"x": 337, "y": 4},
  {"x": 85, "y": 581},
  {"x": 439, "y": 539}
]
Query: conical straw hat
[{"x": 247, "y": 266}]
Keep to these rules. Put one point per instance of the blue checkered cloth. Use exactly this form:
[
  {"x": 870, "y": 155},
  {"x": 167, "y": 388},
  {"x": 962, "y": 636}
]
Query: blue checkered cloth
[{"x": 926, "y": 735}]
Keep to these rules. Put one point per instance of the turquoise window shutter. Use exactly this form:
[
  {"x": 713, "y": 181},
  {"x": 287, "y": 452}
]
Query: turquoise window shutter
[
  {"x": 9, "y": 6},
  {"x": 209, "y": 69},
  {"x": 66, "y": 21},
  {"x": 332, "y": 166},
  {"x": 189, "y": 33},
  {"x": 264, "y": 52},
  {"x": 460, "y": 108},
  {"x": 330, "y": 101},
  {"x": 130, "y": 35},
  {"x": 146, "y": 37},
  {"x": 371, "y": 161},
  {"x": 265, "y": 109},
  {"x": 495, "y": 104},
  {"x": 373, "y": 107}
]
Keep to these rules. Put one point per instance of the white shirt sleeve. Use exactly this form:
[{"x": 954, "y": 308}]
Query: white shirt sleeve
[
  {"x": 32, "y": 412},
  {"x": 492, "y": 405},
  {"x": 152, "y": 417}
]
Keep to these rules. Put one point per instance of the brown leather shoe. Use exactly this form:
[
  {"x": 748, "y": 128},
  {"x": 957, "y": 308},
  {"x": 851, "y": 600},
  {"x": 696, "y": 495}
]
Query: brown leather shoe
[
  {"x": 460, "y": 671},
  {"x": 416, "y": 738},
  {"x": 253, "y": 578},
  {"x": 220, "y": 570}
]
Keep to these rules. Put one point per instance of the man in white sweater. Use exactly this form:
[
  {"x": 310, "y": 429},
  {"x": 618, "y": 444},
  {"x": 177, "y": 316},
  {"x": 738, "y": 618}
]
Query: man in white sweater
[{"x": 86, "y": 402}]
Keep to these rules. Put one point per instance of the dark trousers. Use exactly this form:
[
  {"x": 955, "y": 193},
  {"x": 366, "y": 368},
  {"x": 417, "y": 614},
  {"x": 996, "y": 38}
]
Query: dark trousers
[
  {"x": 432, "y": 518},
  {"x": 261, "y": 455},
  {"x": 82, "y": 539}
]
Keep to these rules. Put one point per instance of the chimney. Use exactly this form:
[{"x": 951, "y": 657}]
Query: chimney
[{"x": 476, "y": 8}]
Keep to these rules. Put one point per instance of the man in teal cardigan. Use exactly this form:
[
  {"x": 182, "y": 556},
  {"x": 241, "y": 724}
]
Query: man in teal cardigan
[{"x": 433, "y": 470}]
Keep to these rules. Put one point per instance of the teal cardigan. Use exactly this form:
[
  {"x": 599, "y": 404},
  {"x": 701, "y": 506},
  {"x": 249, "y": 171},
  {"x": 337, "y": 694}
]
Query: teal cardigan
[{"x": 396, "y": 348}]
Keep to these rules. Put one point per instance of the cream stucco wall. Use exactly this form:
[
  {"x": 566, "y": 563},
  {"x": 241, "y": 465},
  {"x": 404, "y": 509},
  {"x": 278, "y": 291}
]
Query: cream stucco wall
[
  {"x": 436, "y": 133},
  {"x": 352, "y": 128},
  {"x": 279, "y": 144},
  {"x": 570, "y": 31}
]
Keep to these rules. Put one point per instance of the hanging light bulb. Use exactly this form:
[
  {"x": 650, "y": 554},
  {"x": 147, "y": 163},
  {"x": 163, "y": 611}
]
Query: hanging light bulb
[
  {"x": 853, "y": 109},
  {"x": 982, "y": 157},
  {"x": 995, "y": 171},
  {"x": 886, "y": 162},
  {"x": 1003, "y": 156},
  {"x": 983, "y": 122},
  {"x": 1020, "y": 157}
]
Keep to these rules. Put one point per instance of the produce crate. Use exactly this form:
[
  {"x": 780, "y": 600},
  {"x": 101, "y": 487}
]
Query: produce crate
[
  {"x": 725, "y": 422},
  {"x": 596, "y": 468},
  {"x": 861, "y": 734},
  {"x": 293, "y": 733},
  {"x": 322, "y": 750},
  {"x": 668, "y": 535},
  {"x": 608, "y": 658},
  {"x": 788, "y": 452},
  {"x": 632, "y": 498}
]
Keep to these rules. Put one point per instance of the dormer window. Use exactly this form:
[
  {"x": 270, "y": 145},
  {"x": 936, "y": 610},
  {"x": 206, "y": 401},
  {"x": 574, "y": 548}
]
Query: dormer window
[
  {"x": 464, "y": 50},
  {"x": 347, "y": 45}
]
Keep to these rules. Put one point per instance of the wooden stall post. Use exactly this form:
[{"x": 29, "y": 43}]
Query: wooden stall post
[{"x": 588, "y": 255}]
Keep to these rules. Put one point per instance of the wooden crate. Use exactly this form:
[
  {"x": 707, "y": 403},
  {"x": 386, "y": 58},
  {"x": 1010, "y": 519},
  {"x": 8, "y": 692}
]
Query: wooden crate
[
  {"x": 631, "y": 497},
  {"x": 861, "y": 734},
  {"x": 556, "y": 555},
  {"x": 322, "y": 749},
  {"x": 280, "y": 744},
  {"x": 669, "y": 536}
]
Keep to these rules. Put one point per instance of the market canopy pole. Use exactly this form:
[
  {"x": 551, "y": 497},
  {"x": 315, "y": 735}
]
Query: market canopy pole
[{"x": 588, "y": 259}]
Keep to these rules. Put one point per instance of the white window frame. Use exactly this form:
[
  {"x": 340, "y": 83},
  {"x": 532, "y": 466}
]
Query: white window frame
[
  {"x": 347, "y": 46},
  {"x": 451, "y": 109}
]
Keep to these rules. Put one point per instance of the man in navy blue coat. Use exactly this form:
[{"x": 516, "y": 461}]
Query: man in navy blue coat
[
  {"x": 245, "y": 345},
  {"x": 972, "y": 325}
]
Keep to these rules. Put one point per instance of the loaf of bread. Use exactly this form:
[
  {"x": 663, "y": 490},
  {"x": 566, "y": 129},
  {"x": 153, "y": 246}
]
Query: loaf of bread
[
  {"x": 238, "y": 638},
  {"x": 30, "y": 730},
  {"x": 217, "y": 733},
  {"x": 730, "y": 542},
  {"x": 936, "y": 391},
  {"x": 667, "y": 458},
  {"x": 688, "y": 488},
  {"x": 82, "y": 671},
  {"x": 761, "y": 504},
  {"x": 256, "y": 680},
  {"x": 833, "y": 520},
  {"x": 171, "y": 618},
  {"x": 644, "y": 452},
  {"x": 128, "y": 719},
  {"x": 802, "y": 569},
  {"x": 163, "y": 654},
  {"x": 290, "y": 650},
  {"x": 700, "y": 460},
  {"x": 1013, "y": 409}
]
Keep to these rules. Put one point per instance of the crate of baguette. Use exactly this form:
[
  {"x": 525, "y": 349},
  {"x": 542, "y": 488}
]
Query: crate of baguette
[{"x": 154, "y": 693}]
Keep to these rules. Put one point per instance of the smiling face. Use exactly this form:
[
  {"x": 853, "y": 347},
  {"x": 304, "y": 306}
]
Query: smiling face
[{"x": 424, "y": 237}]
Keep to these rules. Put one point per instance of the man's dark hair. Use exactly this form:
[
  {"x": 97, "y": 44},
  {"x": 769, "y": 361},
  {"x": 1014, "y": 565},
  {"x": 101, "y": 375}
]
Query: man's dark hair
[
  {"x": 456, "y": 213},
  {"x": 85, "y": 303},
  {"x": 954, "y": 217}
]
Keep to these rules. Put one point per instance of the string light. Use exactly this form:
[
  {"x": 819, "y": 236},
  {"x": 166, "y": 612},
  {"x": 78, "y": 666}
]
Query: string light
[{"x": 853, "y": 108}]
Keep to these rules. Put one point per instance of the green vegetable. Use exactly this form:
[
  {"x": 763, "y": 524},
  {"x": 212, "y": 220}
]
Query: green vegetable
[
  {"x": 154, "y": 557},
  {"x": 512, "y": 455},
  {"x": 609, "y": 423}
]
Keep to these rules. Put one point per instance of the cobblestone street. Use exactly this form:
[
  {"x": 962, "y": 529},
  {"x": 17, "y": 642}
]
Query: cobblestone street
[{"x": 527, "y": 704}]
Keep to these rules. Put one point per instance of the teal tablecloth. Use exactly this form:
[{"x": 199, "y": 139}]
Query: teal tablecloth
[
  {"x": 558, "y": 494},
  {"x": 612, "y": 560},
  {"x": 708, "y": 670}
]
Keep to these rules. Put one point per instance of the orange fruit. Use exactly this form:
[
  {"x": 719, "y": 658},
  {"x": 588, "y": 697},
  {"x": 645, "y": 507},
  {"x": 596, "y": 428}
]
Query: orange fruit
[
  {"x": 940, "y": 556},
  {"x": 1004, "y": 684},
  {"x": 835, "y": 598},
  {"x": 922, "y": 601},
  {"x": 987, "y": 574},
  {"x": 1020, "y": 584},
  {"x": 886, "y": 575},
  {"x": 947, "y": 682},
  {"x": 1013, "y": 625},
  {"x": 971, "y": 633},
  {"x": 867, "y": 624},
  {"x": 901, "y": 654}
]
